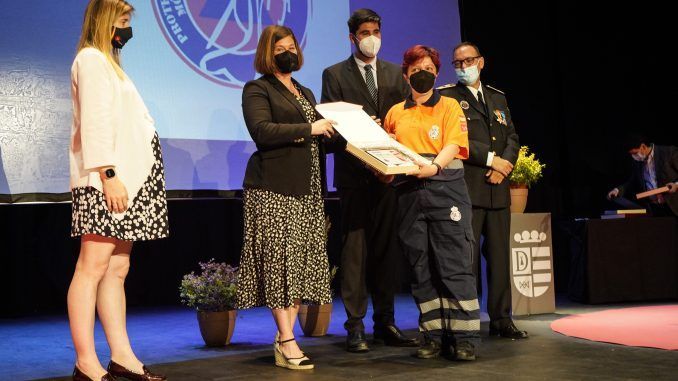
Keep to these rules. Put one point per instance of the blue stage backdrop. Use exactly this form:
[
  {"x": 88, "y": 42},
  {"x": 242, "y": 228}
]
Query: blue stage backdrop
[{"x": 189, "y": 60}]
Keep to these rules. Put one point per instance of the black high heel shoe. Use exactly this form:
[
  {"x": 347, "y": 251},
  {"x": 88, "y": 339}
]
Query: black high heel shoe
[
  {"x": 78, "y": 375},
  {"x": 120, "y": 371},
  {"x": 296, "y": 363}
]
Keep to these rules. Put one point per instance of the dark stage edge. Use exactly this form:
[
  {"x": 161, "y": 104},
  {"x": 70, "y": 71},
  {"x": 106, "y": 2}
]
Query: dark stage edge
[{"x": 546, "y": 355}]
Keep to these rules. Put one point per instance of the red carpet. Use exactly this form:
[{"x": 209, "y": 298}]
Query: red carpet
[{"x": 655, "y": 327}]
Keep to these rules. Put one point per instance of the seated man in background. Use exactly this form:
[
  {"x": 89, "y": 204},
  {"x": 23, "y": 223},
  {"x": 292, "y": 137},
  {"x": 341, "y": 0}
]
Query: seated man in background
[{"x": 655, "y": 166}]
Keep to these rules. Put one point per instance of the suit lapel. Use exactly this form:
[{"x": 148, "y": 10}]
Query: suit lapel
[
  {"x": 381, "y": 82},
  {"x": 658, "y": 174},
  {"x": 360, "y": 82},
  {"x": 473, "y": 100},
  {"x": 287, "y": 94},
  {"x": 489, "y": 103}
]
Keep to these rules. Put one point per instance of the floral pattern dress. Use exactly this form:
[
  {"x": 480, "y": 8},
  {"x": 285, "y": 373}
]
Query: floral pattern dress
[{"x": 284, "y": 255}]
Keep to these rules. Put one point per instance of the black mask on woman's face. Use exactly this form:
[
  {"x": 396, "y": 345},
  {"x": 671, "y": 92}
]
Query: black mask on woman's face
[
  {"x": 121, "y": 36},
  {"x": 422, "y": 81},
  {"x": 287, "y": 62}
]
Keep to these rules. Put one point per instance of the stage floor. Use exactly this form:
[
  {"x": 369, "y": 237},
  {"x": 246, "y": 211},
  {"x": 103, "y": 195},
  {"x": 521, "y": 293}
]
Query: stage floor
[{"x": 168, "y": 339}]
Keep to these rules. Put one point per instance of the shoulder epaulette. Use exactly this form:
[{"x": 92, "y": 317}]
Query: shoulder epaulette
[
  {"x": 495, "y": 89},
  {"x": 446, "y": 86}
]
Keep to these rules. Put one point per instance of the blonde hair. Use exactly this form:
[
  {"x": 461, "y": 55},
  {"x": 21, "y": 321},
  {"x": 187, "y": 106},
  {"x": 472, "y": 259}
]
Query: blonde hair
[
  {"x": 264, "y": 59},
  {"x": 97, "y": 28}
]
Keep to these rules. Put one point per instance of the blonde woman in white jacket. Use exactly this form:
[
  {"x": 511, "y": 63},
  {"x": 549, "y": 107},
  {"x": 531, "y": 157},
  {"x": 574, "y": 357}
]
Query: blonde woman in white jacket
[{"x": 118, "y": 189}]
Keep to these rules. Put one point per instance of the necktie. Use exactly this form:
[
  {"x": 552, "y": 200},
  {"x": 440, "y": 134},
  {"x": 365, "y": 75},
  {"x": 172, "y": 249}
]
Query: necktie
[
  {"x": 482, "y": 102},
  {"x": 371, "y": 87}
]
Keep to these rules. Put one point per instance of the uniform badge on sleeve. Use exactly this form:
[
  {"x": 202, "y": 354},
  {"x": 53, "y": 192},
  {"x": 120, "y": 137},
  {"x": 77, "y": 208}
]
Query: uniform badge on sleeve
[
  {"x": 434, "y": 132},
  {"x": 462, "y": 124},
  {"x": 455, "y": 214},
  {"x": 464, "y": 105},
  {"x": 501, "y": 117}
]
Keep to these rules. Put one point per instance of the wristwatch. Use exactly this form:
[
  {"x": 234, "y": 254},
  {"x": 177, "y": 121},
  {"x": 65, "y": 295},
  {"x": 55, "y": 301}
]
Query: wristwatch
[
  {"x": 440, "y": 169},
  {"x": 109, "y": 173}
]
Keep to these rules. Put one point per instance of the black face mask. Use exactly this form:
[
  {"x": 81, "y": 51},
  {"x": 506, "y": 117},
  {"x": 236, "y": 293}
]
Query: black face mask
[
  {"x": 422, "y": 81},
  {"x": 121, "y": 36},
  {"x": 287, "y": 62}
]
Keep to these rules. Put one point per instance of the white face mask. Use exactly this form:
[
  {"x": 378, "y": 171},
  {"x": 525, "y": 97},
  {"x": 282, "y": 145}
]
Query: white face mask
[
  {"x": 369, "y": 46},
  {"x": 638, "y": 156}
]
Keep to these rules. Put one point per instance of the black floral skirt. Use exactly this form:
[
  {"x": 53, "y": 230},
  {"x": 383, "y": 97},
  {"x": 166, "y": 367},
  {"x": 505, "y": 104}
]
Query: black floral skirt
[{"x": 146, "y": 219}]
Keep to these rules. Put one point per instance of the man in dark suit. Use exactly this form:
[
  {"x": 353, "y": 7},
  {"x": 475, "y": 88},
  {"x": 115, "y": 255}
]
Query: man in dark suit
[
  {"x": 494, "y": 149},
  {"x": 654, "y": 166},
  {"x": 368, "y": 207}
]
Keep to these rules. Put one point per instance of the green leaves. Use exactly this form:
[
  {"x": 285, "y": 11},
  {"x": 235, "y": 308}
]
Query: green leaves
[
  {"x": 527, "y": 169},
  {"x": 213, "y": 290}
]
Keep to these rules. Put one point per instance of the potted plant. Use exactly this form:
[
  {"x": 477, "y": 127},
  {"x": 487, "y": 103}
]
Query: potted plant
[
  {"x": 315, "y": 319},
  {"x": 526, "y": 172},
  {"x": 212, "y": 293}
]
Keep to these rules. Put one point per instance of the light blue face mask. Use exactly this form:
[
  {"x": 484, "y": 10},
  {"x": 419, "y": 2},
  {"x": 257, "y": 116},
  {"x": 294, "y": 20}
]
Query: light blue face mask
[{"x": 468, "y": 76}]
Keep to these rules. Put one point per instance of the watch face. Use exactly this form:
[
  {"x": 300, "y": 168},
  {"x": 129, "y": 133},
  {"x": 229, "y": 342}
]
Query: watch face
[{"x": 110, "y": 173}]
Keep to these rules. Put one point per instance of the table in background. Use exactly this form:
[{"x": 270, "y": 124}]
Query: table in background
[{"x": 624, "y": 260}]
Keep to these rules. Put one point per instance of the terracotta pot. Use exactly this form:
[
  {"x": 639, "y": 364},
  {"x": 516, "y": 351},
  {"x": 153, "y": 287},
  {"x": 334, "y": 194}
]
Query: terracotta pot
[
  {"x": 216, "y": 328},
  {"x": 315, "y": 320},
  {"x": 518, "y": 198}
]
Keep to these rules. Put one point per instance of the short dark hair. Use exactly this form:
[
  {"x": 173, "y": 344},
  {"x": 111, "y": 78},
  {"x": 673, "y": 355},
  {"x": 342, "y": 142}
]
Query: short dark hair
[
  {"x": 466, "y": 43},
  {"x": 634, "y": 140},
  {"x": 264, "y": 59},
  {"x": 360, "y": 17}
]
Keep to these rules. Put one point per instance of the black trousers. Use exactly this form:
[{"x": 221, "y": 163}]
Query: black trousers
[
  {"x": 494, "y": 225},
  {"x": 436, "y": 236},
  {"x": 370, "y": 254}
]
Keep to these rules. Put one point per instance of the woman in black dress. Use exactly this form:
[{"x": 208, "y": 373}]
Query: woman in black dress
[{"x": 284, "y": 258}]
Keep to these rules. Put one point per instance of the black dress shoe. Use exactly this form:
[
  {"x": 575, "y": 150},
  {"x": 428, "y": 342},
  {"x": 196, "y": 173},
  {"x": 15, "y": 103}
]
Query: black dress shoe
[
  {"x": 356, "y": 342},
  {"x": 509, "y": 331},
  {"x": 393, "y": 336},
  {"x": 120, "y": 371},
  {"x": 464, "y": 351},
  {"x": 78, "y": 375},
  {"x": 429, "y": 349}
]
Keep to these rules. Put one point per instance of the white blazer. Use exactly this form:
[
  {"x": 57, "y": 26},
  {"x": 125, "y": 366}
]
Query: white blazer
[{"x": 111, "y": 125}]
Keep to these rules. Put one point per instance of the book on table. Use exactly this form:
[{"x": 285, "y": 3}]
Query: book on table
[
  {"x": 652, "y": 192},
  {"x": 622, "y": 213},
  {"x": 368, "y": 141}
]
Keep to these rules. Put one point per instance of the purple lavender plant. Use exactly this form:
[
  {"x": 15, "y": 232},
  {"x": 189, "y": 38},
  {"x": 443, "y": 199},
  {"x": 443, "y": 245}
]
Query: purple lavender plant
[{"x": 213, "y": 290}]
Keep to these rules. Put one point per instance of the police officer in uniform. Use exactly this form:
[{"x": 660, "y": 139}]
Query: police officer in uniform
[{"x": 493, "y": 151}]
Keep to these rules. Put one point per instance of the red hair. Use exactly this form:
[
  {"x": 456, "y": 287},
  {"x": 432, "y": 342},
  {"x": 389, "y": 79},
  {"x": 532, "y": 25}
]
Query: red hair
[{"x": 418, "y": 52}]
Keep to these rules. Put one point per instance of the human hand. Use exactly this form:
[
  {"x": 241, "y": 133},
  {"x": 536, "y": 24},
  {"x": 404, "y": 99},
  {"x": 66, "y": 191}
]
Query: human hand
[
  {"x": 502, "y": 166},
  {"x": 374, "y": 118},
  {"x": 614, "y": 193},
  {"x": 494, "y": 177},
  {"x": 424, "y": 171},
  {"x": 323, "y": 127},
  {"x": 115, "y": 195},
  {"x": 673, "y": 187},
  {"x": 386, "y": 179}
]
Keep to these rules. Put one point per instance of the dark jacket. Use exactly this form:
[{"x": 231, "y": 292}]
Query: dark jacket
[
  {"x": 486, "y": 134},
  {"x": 278, "y": 126},
  {"x": 666, "y": 171},
  {"x": 344, "y": 82}
]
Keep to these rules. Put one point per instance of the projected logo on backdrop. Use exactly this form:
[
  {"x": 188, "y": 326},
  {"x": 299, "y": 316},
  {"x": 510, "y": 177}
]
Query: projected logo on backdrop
[
  {"x": 218, "y": 38},
  {"x": 531, "y": 264}
]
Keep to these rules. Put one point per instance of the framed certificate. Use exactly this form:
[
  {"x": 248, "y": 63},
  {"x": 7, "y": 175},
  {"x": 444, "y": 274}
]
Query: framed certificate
[{"x": 368, "y": 141}]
